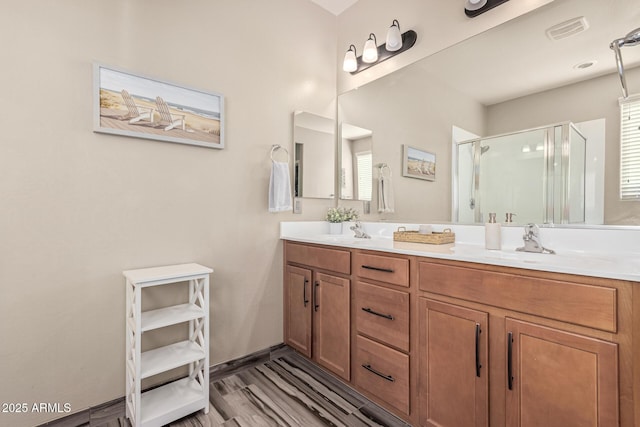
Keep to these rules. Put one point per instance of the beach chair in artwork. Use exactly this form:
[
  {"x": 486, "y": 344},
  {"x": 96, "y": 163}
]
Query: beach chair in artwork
[
  {"x": 136, "y": 113},
  {"x": 171, "y": 120}
]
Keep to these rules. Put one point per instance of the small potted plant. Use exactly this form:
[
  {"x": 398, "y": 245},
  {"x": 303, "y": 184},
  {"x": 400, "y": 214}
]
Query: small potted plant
[
  {"x": 334, "y": 217},
  {"x": 349, "y": 217},
  {"x": 340, "y": 219}
]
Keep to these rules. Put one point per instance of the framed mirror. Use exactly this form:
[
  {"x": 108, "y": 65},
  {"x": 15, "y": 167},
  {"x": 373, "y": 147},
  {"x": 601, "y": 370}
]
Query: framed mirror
[{"x": 314, "y": 156}]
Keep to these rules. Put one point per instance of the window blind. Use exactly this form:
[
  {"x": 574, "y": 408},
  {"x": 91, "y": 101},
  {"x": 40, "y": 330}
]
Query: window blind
[
  {"x": 630, "y": 148},
  {"x": 364, "y": 170}
]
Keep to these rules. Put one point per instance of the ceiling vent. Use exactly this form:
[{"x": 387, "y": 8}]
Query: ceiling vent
[{"x": 568, "y": 28}]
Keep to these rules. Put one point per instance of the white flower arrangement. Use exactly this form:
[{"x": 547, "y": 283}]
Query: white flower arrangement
[{"x": 340, "y": 214}]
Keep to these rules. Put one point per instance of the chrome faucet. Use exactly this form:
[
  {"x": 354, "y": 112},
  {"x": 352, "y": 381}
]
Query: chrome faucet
[
  {"x": 360, "y": 234},
  {"x": 532, "y": 242}
]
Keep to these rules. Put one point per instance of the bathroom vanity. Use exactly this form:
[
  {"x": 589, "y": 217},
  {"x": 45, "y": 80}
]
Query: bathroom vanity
[{"x": 454, "y": 335}]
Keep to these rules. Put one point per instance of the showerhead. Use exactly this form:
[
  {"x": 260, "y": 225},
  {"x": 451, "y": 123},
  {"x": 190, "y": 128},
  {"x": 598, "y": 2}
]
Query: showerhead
[
  {"x": 484, "y": 149},
  {"x": 631, "y": 39}
]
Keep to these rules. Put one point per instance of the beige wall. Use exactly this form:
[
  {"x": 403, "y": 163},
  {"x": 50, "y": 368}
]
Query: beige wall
[
  {"x": 589, "y": 100},
  {"x": 418, "y": 110},
  {"x": 77, "y": 208}
]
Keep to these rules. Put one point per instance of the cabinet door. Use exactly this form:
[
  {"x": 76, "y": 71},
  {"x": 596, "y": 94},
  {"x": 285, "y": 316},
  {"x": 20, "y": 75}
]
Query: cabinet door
[
  {"x": 298, "y": 309},
  {"x": 559, "y": 379},
  {"x": 331, "y": 323},
  {"x": 453, "y": 385}
]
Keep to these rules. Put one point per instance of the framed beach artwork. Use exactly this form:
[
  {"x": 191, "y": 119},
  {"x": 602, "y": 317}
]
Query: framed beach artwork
[
  {"x": 132, "y": 105},
  {"x": 417, "y": 163}
]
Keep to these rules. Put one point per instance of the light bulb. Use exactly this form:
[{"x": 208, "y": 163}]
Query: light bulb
[
  {"x": 370, "y": 51},
  {"x": 475, "y": 4},
  {"x": 394, "y": 38},
  {"x": 350, "y": 63}
]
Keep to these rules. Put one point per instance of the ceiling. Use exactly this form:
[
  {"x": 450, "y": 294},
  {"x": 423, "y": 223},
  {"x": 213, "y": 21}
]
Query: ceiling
[
  {"x": 335, "y": 6},
  {"x": 520, "y": 56}
]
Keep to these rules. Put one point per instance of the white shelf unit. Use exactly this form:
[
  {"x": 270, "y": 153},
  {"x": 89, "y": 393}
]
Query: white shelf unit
[{"x": 164, "y": 404}]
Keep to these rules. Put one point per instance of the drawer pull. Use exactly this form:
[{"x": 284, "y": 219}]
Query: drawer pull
[
  {"x": 384, "y": 270},
  {"x": 315, "y": 296},
  {"x": 375, "y": 313},
  {"x": 381, "y": 375},
  {"x": 304, "y": 292},
  {"x": 478, "y": 365},
  {"x": 510, "y": 359}
]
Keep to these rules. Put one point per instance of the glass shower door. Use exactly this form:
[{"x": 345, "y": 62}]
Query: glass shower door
[{"x": 513, "y": 176}]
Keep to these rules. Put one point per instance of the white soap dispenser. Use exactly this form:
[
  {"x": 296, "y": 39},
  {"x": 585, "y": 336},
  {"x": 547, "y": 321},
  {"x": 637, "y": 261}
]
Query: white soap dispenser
[{"x": 492, "y": 234}]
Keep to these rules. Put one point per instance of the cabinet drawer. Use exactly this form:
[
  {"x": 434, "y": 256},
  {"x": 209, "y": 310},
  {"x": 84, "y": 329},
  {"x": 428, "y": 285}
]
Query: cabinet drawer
[
  {"x": 383, "y": 372},
  {"x": 382, "y": 268},
  {"x": 327, "y": 259},
  {"x": 383, "y": 314},
  {"x": 586, "y": 305}
]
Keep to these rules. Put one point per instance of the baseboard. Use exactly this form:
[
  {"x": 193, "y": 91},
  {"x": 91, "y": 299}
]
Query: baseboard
[{"x": 100, "y": 414}]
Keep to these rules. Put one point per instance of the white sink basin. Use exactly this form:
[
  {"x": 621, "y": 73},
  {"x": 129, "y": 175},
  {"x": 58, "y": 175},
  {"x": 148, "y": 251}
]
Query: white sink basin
[{"x": 348, "y": 240}]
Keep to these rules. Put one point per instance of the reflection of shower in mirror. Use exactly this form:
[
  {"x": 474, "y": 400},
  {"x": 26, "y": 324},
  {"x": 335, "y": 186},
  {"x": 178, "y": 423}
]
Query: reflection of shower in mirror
[{"x": 541, "y": 186}]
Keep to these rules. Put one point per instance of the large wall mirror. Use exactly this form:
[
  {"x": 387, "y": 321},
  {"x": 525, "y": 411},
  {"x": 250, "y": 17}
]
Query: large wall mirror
[
  {"x": 512, "y": 78},
  {"x": 314, "y": 156}
]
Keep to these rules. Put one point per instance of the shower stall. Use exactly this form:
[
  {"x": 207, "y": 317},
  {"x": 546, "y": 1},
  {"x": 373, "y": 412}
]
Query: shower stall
[{"x": 537, "y": 175}]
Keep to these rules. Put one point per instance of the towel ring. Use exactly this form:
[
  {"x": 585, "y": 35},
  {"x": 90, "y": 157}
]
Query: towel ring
[
  {"x": 275, "y": 147},
  {"x": 381, "y": 167}
]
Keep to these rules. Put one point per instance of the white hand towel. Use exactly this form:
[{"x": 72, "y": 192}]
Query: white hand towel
[
  {"x": 279, "y": 188},
  {"x": 385, "y": 194}
]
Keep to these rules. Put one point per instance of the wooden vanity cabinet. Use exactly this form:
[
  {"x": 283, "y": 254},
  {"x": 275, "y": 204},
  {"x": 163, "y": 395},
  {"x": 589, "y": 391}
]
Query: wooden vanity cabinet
[
  {"x": 454, "y": 365},
  {"x": 559, "y": 379},
  {"x": 317, "y": 305},
  {"x": 455, "y": 344},
  {"x": 554, "y": 360},
  {"x": 382, "y": 361}
]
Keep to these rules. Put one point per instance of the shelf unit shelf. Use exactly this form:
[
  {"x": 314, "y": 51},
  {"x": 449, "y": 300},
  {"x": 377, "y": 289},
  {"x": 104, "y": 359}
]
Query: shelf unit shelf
[
  {"x": 172, "y": 401},
  {"x": 168, "y": 316},
  {"x": 162, "y": 405},
  {"x": 170, "y": 357}
]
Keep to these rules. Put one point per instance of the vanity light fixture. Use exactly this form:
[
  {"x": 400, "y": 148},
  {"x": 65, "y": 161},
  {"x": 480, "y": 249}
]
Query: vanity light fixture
[
  {"x": 350, "y": 63},
  {"x": 394, "y": 37},
  {"x": 372, "y": 54},
  {"x": 370, "y": 51},
  {"x": 474, "y": 8}
]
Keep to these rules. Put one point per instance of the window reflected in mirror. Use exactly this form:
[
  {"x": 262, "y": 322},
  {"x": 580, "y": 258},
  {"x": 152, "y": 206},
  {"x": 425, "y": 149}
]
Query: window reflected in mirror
[{"x": 356, "y": 163}]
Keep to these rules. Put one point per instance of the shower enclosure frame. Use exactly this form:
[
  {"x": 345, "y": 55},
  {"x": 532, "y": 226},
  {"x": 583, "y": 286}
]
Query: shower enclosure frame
[{"x": 548, "y": 176}]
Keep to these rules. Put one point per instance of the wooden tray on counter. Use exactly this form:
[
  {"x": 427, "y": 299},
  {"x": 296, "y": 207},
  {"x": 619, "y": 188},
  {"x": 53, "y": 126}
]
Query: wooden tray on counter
[{"x": 435, "y": 238}]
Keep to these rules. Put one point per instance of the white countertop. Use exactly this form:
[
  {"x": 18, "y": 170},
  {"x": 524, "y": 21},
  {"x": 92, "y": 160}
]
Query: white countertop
[{"x": 608, "y": 253}]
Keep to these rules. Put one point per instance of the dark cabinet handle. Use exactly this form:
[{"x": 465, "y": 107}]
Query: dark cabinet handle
[
  {"x": 380, "y": 374},
  {"x": 385, "y": 270},
  {"x": 304, "y": 292},
  {"x": 375, "y": 313},
  {"x": 315, "y": 297},
  {"x": 510, "y": 360},
  {"x": 478, "y": 365}
]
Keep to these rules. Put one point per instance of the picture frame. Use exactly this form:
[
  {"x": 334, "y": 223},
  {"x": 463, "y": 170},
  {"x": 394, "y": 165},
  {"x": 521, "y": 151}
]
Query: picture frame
[
  {"x": 130, "y": 104},
  {"x": 418, "y": 163}
]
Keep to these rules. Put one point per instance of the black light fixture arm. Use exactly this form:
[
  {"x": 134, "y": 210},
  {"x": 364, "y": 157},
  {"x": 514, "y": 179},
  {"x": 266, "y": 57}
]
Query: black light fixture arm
[{"x": 408, "y": 40}]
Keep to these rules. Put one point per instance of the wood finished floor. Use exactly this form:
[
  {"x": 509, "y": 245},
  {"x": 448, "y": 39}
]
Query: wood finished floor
[{"x": 288, "y": 391}]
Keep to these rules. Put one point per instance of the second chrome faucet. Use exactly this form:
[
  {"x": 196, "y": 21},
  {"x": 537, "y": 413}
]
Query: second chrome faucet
[{"x": 532, "y": 241}]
